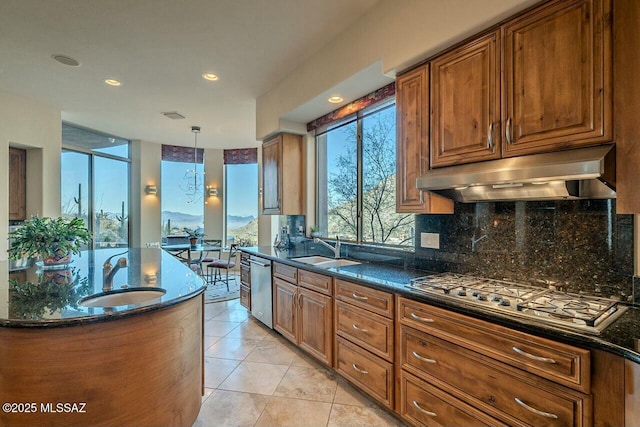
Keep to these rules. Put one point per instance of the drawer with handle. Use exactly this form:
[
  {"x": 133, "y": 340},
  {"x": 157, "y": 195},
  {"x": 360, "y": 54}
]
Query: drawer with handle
[
  {"x": 285, "y": 272},
  {"x": 425, "y": 405},
  {"x": 558, "y": 362},
  {"x": 502, "y": 391},
  {"x": 371, "y": 373},
  {"x": 315, "y": 282},
  {"x": 370, "y": 299},
  {"x": 369, "y": 330}
]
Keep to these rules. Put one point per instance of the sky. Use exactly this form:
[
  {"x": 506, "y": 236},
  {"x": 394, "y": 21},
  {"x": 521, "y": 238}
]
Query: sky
[{"x": 111, "y": 182}]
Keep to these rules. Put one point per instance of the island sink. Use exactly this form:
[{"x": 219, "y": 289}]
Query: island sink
[{"x": 122, "y": 297}]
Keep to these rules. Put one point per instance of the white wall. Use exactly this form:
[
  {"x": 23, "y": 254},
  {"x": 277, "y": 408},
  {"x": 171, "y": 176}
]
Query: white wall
[
  {"x": 145, "y": 223},
  {"x": 214, "y": 208},
  {"x": 37, "y": 127}
]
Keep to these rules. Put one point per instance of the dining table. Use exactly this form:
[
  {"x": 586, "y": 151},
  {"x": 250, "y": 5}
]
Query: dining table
[{"x": 184, "y": 251}]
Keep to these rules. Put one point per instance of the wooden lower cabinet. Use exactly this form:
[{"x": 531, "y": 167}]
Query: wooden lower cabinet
[
  {"x": 304, "y": 317},
  {"x": 285, "y": 313},
  {"x": 370, "y": 373},
  {"x": 504, "y": 392},
  {"x": 368, "y": 330},
  {"x": 315, "y": 324},
  {"x": 422, "y": 404}
]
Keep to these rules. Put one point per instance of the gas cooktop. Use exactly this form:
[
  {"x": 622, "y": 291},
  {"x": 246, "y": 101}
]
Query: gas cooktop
[{"x": 578, "y": 312}]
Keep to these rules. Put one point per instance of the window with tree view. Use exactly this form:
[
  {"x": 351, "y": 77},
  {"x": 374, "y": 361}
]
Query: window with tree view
[{"x": 356, "y": 164}]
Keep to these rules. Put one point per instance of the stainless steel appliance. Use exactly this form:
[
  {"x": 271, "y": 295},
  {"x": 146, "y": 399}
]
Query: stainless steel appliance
[
  {"x": 578, "y": 312},
  {"x": 261, "y": 294},
  {"x": 583, "y": 173}
]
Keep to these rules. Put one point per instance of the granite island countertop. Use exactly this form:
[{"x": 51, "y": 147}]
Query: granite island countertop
[
  {"x": 621, "y": 337},
  {"x": 49, "y": 298}
]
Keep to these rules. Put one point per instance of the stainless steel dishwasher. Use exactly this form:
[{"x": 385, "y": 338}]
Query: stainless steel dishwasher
[{"x": 261, "y": 294}]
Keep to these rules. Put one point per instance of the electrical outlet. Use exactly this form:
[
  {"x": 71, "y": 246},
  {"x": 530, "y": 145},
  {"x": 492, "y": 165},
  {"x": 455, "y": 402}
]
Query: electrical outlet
[{"x": 430, "y": 240}]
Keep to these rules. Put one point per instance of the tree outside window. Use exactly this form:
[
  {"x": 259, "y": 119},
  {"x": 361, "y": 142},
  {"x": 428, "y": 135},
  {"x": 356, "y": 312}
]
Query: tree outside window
[{"x": 357, "y": 181}]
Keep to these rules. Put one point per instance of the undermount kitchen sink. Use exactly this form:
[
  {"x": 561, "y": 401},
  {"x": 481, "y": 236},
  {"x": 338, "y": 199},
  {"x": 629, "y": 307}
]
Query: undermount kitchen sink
[
  {"x": 122, "y": 297},
  {"x": 312, "y": 259},
  {"x": 324, "y": 262}
]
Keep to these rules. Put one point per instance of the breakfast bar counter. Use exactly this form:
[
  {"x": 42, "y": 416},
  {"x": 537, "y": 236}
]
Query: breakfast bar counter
[{"x": 88, "y": 345}]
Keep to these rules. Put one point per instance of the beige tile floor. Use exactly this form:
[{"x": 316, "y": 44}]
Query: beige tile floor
[{"x": 254, "y": 377}]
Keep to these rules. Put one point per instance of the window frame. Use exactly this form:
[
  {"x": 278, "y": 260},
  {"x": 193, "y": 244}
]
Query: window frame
[{"x": 357, "y": 117}]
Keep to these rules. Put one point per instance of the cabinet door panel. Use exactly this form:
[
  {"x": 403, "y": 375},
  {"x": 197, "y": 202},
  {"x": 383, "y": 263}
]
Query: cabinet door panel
[
  {"x": 17, "y": 184},
  {"x": 465, "y": 103},
  {"x": 314, "y": 320},
  {"x": 412, "y": 145},
  {"x": 271, "y": 159},
  {"x": 557, "y": 77},
  {"x": 284, "y": 303}
]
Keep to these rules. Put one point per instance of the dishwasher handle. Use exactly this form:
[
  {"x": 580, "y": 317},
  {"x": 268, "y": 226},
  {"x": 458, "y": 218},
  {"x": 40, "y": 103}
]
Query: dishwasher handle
[{"x": 261, "y": 264}]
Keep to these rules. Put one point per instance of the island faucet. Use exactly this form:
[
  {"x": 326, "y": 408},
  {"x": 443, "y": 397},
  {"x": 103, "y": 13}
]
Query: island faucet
[
  {"x": 108, "y": 271},
  {"x": 336, "y": 249}
]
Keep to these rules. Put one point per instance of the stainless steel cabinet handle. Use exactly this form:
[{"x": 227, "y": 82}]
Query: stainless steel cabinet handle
[
  {"x": 507, "y": 131},
  {"x": 535, "y": 411},
  {"x": 490, "y": 136},
  {"x": 362, "y": 371},
  {"x": 531, "y": 356},
  {"x": 417, "y": 405},
  {"x": 356, "y": 296},
  {"x": 359, "y": 329},
  {"x": 424, "y": 359},
  {"x": 252, "y": 261},
  {"x": 422, "y": 319}
]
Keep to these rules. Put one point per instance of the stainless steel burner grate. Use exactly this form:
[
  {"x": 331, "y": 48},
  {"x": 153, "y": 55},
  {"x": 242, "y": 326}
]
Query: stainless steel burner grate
[{"x": 590, "y": 314}]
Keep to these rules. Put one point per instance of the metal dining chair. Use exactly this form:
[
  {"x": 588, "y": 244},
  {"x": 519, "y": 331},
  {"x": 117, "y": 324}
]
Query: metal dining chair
[
  {"x": 219, "y": 264},
  {"x": 210, "y": 255}
]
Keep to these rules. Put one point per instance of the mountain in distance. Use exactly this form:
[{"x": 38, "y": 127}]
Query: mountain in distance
[
  {"x": 234, "y": 221},
  {"x": 188, "y": 220},
  {"x": 181, "y": 217}
]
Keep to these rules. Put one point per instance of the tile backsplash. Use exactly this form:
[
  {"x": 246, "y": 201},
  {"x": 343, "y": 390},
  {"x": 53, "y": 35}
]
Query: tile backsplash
[{"x": 579, "y": 246}]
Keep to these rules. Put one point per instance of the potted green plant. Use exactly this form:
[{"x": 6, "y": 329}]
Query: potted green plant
[
  {"x": 194, "y": 235},
  {"x": 54, "y": 290},
  {"x": 53, "y": 240},
  {"x": 315, "y": 231}
]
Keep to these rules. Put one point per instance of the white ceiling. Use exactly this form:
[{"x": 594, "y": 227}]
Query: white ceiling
[{"x": 159, "y": 49}]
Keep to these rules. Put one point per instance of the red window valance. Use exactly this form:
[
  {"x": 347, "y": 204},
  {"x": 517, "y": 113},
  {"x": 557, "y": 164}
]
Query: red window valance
[
  {"x": 176, "y": 153},
  {"x": 241, "y": 156},
  {"x": 355, "y": 106}
]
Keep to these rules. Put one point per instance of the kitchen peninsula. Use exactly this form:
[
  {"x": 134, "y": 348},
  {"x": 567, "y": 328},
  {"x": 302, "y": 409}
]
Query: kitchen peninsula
[{"x": 69, "y": 359}]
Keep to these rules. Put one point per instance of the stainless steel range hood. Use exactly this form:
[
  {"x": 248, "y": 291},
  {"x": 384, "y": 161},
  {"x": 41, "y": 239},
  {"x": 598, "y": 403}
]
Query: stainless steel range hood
[{"x": 584, "y": 173}]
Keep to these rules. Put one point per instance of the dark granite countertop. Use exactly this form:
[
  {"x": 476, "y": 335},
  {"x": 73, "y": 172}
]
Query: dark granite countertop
[
  {"x": 49, "y": 298},
  {"x": 620, "y": 337}
]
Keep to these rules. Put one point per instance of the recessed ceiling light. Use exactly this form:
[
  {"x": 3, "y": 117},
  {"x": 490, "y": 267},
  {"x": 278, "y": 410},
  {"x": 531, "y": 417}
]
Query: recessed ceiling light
[
  {"x": 112, "y": 82},
  {"x": 336, "y": 99},
  {"x": 210, "y": 76},
  {"x": 66, "y": 60}
]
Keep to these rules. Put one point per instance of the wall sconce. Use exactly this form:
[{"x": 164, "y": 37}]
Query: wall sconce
[
  {"x": 212, "y": 191},
  {"x": 151, "y": 190}
]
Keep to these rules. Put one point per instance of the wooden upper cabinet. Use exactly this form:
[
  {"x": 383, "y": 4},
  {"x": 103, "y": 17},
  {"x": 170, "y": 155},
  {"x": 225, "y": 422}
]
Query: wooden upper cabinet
[
  {"x": 412, "y": 146},
  {"x": 282, "y": 165},
  {"x": 465, "y": 103},
  {"x": 557, "y": 77},
  {"x": 17, "y": 184}
]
